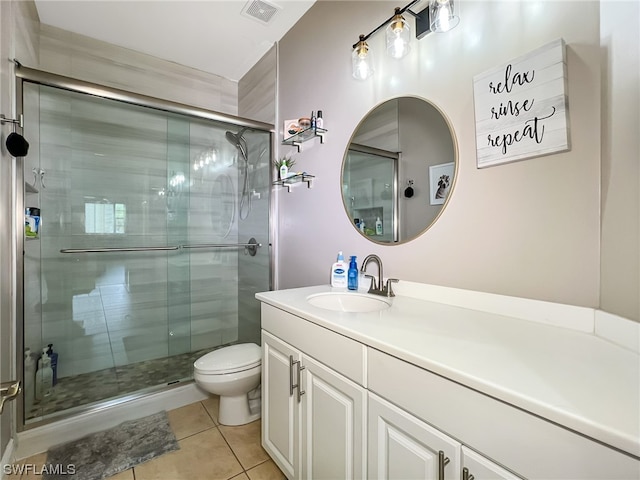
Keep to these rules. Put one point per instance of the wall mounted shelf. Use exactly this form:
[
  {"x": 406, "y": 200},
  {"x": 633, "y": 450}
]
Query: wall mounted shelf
[
  {"x": 294, "y": 179},
  {"x": 307, "y": 134}
]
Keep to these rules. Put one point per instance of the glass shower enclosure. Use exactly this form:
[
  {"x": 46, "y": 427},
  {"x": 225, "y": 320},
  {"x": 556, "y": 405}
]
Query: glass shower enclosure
[
  {"x": 370, "y": 190},
  {"x": 146, "y": 235}
]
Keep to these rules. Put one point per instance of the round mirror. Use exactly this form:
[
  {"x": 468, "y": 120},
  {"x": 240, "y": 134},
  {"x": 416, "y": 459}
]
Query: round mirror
[{"x": 399, "y": 170}]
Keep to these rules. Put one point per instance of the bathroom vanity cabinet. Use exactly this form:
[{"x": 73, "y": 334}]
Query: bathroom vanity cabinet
[
  {"x": 313, "y": 416},
  {"x": 368, "y": 407}
]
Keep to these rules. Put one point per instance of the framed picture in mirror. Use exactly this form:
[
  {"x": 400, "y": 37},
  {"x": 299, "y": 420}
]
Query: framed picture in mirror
[{"x": 440, "y": 181}]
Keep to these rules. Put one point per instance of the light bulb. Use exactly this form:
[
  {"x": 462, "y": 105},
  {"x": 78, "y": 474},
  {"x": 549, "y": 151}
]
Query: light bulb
[
  {"x": 398, "y": 35},
  {"x": 361, "y": 60},
  {"x": 443, "y": 15}
]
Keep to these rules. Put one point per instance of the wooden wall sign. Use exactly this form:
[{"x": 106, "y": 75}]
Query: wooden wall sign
[{"x": 521, "y": 107}]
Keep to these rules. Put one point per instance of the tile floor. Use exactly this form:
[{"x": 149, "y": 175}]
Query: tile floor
[{"x": 208, "y": 451}]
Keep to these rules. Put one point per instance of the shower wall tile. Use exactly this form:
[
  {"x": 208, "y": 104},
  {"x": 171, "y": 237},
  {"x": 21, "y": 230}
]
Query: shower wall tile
[
  {"x": 84, "y": 58},
  {"x": 142, "y": 315},
  {"x": 25, "y": 30},
  {"x": 82, "y": 354},
  {"x": 257, "y": 90},
  {"x": 139, "y": 344}
]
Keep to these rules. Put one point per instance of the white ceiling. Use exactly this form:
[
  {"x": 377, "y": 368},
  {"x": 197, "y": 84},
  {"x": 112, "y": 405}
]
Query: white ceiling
[{"x": 209, "y": 35}]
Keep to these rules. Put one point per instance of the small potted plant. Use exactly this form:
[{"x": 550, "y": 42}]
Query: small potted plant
[{"x": 283, "y": 165}]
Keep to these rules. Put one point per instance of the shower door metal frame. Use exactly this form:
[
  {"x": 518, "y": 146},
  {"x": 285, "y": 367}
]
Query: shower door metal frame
[{"x": 25, "y": 74}]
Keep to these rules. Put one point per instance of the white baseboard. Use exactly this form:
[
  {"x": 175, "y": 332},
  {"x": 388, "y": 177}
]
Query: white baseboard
[
  {"x": 40, "y": 439},
  {"x": 8, "y": 458}
]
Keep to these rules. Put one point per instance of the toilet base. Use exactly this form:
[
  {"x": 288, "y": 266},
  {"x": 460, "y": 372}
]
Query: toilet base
[{"x": 235, "y": 411}]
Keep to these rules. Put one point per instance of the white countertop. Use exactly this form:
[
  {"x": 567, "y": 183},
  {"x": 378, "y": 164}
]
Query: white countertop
[{"x": 571, "y": 377}]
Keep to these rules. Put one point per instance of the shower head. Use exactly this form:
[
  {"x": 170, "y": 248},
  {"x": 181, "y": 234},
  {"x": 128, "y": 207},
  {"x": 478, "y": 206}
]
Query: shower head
[{"x": 238, "y": 141}]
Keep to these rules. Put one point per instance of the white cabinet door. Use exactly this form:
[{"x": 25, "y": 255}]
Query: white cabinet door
[
  {"x": 280, "y": 418},
  {"x": 478, "y": 467},
  {"x": 333, "y": 424},
  {"x": 402, "y": 446}
]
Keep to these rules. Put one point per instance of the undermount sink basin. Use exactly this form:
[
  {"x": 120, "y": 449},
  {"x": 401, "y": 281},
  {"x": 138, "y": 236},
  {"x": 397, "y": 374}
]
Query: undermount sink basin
[{"x": 349, "y": 302}]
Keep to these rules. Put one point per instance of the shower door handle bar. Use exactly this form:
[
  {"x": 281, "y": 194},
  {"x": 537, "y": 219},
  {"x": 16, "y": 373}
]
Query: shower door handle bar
[
  {"x": 251, "y": 247},
  {"x": 223, "y": 245},
  {"x": 124, "y": 249}
]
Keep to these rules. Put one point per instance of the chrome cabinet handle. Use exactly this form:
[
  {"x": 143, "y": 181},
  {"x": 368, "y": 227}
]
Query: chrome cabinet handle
[
  {"x": 300, "y": 391},
  {"x": 442, "y": 462},
  {"x": 466, "y": 475},
  {"x": 292, "y": 385},
  {"x": 291, "y": 364}
]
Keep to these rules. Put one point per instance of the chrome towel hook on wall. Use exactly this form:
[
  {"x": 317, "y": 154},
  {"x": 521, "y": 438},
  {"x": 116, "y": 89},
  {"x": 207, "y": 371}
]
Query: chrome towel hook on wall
[{"x": 16, "y": 143}]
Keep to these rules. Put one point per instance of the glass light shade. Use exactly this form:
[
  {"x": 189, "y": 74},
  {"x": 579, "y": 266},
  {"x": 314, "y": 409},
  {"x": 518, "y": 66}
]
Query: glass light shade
[
  {"x": 443, "y": 15},
  {"x": 398, "y": 36},
  {"x": 361, "y": 61}
]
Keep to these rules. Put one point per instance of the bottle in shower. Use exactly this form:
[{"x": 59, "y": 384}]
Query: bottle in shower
[{"x": 44, "y": 377}]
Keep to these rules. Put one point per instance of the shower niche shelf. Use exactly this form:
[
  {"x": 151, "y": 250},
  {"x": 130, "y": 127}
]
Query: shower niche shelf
[
  {"x": 295, "y": 179},
  {"x": 299, "y": 138}
]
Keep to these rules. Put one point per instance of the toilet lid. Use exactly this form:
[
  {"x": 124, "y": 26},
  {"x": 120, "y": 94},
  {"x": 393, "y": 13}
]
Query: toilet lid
[{"x": 233, "y": 358}]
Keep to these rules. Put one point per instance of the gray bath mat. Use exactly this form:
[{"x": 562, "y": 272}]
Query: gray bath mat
[{"x": 106, "y": 453}]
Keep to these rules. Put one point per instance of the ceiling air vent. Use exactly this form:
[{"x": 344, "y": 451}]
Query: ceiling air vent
[{"x": 260, "y": 10}]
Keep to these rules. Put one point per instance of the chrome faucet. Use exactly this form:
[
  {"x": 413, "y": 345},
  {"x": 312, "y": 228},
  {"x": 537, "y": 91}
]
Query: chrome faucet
[{"x": 377, "y": 288}]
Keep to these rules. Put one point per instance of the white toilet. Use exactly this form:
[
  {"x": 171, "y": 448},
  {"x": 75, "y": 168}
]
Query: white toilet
[{"x": 231, "y": 372}]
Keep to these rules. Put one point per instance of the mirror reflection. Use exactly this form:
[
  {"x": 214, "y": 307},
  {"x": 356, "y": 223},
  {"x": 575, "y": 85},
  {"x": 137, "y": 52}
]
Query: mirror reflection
[{"x": 398, "y": 170}]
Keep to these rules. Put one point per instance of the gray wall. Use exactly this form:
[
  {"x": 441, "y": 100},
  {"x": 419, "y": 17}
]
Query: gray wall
[
  {"x": 620, "y": 33},
  {"x": 529, "y": 229}
]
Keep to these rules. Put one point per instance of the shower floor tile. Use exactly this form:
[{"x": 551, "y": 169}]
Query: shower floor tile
[{"x": 88, "y": 388}]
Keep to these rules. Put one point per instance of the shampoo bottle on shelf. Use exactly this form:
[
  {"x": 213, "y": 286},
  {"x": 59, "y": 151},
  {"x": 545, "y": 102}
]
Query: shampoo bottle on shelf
[
  {"x": 44, "y": 376},
  {"x": 319, "y": 120},
  {"x": 29, "y": 379},
  {"x": 378, "y": 226},
  {"x": 353, "y": 274},
  {"x": 284, "y": 171},
  {"x": 54, "y": 362},
  {"x": 339, "y": 272}
]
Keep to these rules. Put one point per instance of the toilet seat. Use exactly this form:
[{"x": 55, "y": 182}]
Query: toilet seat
[{"x": 231, "y": 359}]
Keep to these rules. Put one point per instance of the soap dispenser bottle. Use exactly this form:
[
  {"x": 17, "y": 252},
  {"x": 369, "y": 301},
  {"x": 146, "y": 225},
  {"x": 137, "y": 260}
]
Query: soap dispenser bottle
[
  {"x": 339, "y": 272},
  {"x": 353, "y": 274}
]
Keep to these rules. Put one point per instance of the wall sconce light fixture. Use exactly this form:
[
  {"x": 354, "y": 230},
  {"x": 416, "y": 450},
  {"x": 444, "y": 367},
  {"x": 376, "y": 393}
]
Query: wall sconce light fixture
[
  {"x": 398, "y": 34},
  {"x": 443, "y": 15},
  {"x": 438, "y": 16},
  {"x": 361, "y": 60}
]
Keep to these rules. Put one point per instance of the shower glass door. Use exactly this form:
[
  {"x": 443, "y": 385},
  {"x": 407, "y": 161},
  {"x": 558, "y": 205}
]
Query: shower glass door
[
  {"x": 129, "y": 276},
  {"x": 369, "y": 192}
]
